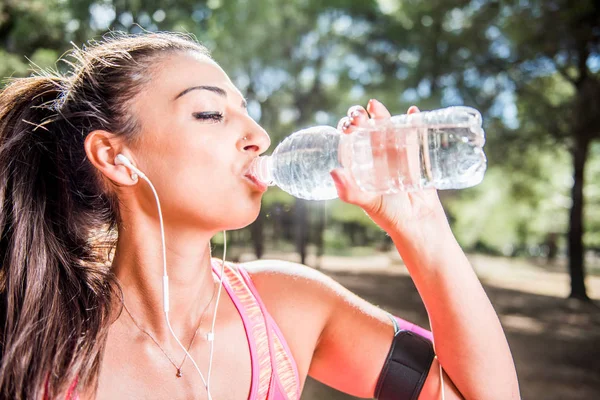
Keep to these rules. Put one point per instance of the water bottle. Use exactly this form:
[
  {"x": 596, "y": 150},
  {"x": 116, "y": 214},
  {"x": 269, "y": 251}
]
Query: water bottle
[{"x": 441, "y": 149}]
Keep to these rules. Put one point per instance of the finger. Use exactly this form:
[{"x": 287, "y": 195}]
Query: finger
[
  {"x": 358, "y": 115},
  {"x": 377, "y": 110},
  {"x": 413, "y": 109},
  {"x": 338, "y": 176},
  {"x": 344, "y": 125},
  {"x": 379, "y": 136},
  {"x": 342, "y": 184},
  {"x": 348, "y": 190},
  {"x": 411, "y": 172}
]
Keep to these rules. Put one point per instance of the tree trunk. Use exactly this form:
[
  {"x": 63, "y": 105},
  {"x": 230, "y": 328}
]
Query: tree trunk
[
  {"x": 6, "y": 28},
  {"x": 319, "y": 231},
  {"x": 301, "y": 228},
  {"x": 276, "y": 213},
  {"x": 576, "y": 250},
  {"x": 258, "y": 240}
]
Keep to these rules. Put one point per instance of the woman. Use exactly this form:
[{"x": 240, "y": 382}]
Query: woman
[{"x": 161, "y": 102}]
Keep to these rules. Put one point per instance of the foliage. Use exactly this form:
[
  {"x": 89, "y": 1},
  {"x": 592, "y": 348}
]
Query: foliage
[
  {"x": 504, "y": 213},
  {"x": 304, "y": 62}
]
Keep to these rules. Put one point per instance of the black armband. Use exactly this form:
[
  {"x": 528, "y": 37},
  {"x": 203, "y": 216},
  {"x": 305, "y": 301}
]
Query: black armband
[{"x": 406, "y": 367}]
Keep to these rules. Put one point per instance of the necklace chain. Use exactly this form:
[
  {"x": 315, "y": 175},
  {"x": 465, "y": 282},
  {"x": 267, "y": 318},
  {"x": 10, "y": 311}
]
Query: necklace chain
[{"x": 178, "y": 368}]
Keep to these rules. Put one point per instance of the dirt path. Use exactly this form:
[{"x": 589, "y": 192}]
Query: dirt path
[{"x": 555, "y": 342}]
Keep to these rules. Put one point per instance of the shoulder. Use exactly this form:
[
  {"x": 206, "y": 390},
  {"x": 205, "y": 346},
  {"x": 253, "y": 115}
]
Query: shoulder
[
  {"x": 299, "y": 298},
  {"x": 268, "y": 270},
  {"x": 294, "y": 289},
  {"x": 296, "y": 292},
  {"x": 324, "y": 322},
  {"x": 289, "y": 281}
]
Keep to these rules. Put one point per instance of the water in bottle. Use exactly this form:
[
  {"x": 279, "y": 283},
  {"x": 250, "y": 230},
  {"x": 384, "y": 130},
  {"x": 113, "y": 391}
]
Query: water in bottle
[{"x": 441, "y": 149}]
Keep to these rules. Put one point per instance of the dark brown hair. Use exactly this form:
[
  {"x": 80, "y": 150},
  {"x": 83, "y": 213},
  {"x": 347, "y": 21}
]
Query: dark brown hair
[{"x": 55, "y": 284}]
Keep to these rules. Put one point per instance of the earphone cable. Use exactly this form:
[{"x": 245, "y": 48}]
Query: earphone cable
[
  {"x": 212, "y": 329},
  {"x": 166, "y": 285}
]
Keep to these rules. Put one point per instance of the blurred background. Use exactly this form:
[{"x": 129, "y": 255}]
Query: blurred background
[{"x": 532, "y": 67}]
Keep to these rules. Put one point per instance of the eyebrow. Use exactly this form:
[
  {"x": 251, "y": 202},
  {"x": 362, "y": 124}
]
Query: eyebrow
[{"x": 214, "y": 89}]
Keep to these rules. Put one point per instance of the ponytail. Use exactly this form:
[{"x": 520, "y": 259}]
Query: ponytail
[
  {"x": 56, "y": 289},
  {"x": 55, "y": 292}
]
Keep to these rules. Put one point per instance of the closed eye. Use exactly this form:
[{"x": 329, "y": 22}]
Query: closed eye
[{"x": 208, "y": 116}]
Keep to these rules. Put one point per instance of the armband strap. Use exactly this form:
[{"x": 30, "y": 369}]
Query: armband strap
[{"x": 406, "y": 367}]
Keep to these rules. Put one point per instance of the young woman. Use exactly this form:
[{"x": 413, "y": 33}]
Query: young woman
[{"x": 76, "y": 325}]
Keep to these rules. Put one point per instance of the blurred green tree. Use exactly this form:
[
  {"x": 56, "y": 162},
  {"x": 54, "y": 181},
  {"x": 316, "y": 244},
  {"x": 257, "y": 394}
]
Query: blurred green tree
[
  {"x": 553, "y": 59},
  {"x": 530, "y": 66}
]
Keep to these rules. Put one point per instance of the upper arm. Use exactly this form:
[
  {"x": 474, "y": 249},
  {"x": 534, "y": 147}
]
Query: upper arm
[{"x": 354, "y": 344}]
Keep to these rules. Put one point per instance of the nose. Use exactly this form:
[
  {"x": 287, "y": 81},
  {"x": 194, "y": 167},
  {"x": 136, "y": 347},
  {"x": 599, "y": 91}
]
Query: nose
[{"x": 255, "y": 139}]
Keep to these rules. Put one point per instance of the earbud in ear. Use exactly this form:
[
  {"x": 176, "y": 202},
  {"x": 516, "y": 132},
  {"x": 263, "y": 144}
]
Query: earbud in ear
[{"x": 122, "y": 160}]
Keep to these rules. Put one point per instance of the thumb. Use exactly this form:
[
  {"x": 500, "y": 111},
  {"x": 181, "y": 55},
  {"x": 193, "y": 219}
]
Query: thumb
[
  {"x": 350, "y": 192},
  {"x": 341, "y": 179}
]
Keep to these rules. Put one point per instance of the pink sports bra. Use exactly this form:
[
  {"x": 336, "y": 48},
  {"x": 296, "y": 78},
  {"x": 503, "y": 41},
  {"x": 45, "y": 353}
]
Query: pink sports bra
[{"x": 274, "y": 371}]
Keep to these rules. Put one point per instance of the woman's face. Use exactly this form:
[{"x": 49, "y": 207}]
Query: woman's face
[{"x": 196, "y": 144}]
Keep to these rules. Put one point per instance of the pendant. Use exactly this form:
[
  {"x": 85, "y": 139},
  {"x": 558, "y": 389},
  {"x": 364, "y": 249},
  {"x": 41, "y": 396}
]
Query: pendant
[{"x": 178, "y": 373}]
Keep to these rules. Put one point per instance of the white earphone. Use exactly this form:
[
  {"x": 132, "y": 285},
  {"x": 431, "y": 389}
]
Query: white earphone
[{"x": 120, "y": 159}]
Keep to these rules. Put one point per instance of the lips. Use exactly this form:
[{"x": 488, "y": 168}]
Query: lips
[{"x": 257, "y": 183}]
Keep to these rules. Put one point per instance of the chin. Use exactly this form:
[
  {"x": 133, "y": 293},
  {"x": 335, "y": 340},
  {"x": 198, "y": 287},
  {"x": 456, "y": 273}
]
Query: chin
[{"x": 245, "y": 217}]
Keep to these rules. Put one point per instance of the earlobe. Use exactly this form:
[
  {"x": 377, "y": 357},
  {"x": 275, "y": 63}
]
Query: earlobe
[{"x": 101, "y": 148}]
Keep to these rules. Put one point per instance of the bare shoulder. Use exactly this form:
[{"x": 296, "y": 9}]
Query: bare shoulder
[
  {"x": 316, "y": 315},
  {"x": 284, "y": 284},
  {"x": 279, "y": 271},
  {"x": 280, "y": 282},
  {"x": 300, "y": 300}
]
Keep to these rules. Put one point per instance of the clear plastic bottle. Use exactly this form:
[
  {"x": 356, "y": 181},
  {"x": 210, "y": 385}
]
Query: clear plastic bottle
[{"x": 441, "y": 148}]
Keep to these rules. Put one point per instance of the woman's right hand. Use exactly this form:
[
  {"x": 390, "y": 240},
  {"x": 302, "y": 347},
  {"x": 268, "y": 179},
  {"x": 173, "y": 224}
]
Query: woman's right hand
[{"x": 403, "y": 213}]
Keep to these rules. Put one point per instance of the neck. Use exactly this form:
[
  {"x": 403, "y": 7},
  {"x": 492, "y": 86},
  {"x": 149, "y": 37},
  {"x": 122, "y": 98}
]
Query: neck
[{"x": 138, "y": 265}]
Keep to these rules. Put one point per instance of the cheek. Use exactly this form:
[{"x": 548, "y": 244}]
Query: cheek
[
  {"x": 210, "y": 166},
  {"x": 202, "y": 178},
  {"x": 197, "y": 171},
  {"x": 199, "y": 182}
]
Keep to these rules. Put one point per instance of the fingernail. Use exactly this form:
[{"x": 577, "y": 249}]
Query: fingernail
[
  {"x": 346, "y": 124},
  {"x": 373, "y": 105},
  {"x": 354, "y": 114}
]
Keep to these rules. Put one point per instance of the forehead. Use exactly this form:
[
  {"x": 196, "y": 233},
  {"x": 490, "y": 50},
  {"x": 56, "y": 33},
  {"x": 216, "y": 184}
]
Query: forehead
[{"x": 182, "y": 70}]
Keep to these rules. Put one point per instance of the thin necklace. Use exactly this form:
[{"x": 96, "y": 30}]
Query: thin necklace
[{"x": 178, "y": 368}]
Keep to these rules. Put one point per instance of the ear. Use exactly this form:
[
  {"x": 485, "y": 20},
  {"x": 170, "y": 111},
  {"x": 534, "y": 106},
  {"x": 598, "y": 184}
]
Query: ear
[{"x": 101, "y": 148}]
